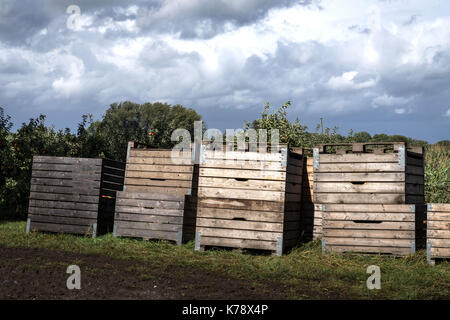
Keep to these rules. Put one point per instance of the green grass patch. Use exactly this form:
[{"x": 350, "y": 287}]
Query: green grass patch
[{"x": 304, "y": 272}]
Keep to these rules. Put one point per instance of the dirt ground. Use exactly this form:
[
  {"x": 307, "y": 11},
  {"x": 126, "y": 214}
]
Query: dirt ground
[{"x": 41, "y": 274}]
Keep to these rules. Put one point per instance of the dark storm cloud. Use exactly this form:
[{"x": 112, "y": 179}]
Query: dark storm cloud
[{"x": 205, "y": 18}]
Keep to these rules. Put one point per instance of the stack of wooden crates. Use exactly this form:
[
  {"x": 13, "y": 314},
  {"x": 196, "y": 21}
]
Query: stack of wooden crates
[
  {"x": 159, "y": 197},
  {"x": 371, "y": 196},
  {"x": 249, "y": 199},
  {"x": 73, "y": 195}
]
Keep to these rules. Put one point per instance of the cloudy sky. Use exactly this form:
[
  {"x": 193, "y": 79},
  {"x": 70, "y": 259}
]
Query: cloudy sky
[{"x": 373, "y": 65}]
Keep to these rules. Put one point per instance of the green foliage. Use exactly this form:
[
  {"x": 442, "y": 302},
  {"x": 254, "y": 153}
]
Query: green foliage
[
  {"x": 437, "y": 174},
  {"x": 149, "y": 123}
]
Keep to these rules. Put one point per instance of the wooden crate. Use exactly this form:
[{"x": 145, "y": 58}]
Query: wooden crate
[
  {"x": 73, "y": 195},
  {"x": 151, "y": 174},
  {"x": 158, "y": 170},
  {"x": 396, "y": 229},
  {"x": 151, "y": 216},
  {"x": 249, "y": 199},
  {"x": 389, "y": 175},
  {"x": 438, "y": 231}
]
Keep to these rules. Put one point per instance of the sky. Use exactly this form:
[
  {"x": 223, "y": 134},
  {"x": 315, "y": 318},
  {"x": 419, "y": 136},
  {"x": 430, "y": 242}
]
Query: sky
[{"x": 381, "y": 66}]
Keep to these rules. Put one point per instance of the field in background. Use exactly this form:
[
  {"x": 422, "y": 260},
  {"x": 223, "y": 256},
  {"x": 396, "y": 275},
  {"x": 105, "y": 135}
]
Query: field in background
[{"x": 34, "y": 265}]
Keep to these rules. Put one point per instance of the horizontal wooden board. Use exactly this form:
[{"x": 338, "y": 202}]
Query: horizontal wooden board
[
  {"x": 439, "y": 234},
  {"x": 440, "y": 252},
  {"x": 60, "y": 228},
  {"x": 396, "y": 243},
  {"x": 358, "y": 158},
  {"x": 149, "y": 196},
  {"x": 150, "y": 204},
  {"x": 62, "y": 212},
  {"x": 158, "y": 161},
  {"x": 384, "y": 225},
  {"x": 147, "y": 234},
  {"x": 144, "y": 225},
  {"x": 239, "y": 234},
  {"x": 153, "y": 153},
  {"x": 160, "y": 168},
  {"x": 355, "y": 176},
  {"x": 238, "y": 243},
  {"x": 208, "y": 192},
  {"x": 64, "y": 205},
  {"x": 159, "y": 175},
  {"x": 394, "y": 208},
  {"x": 439, "y": 207},
  {"x": 240, "y": 214},
  {"x": 369, "y": 234},
  {"x": 239, "y": 155},
  {"x": 254, "y": 205},
  {"x": 159, "y": 189},
  {"x": 239, "y": 183},
  {"x": 368, "y": 249},
  {"x": 371, "y": 216},
  {"x": 239, "y": 225},
  {"x": 156, "y": 183},
  {"x": 242, "y": 174},
  {"x": 363, "y": 198},
  {"x": 359, "y": 187},
  {"x": 157, "y": 216},
  {"x": 359, "y": 167},
  {"x": 78, "y": 221},
  {"x": 244, "y": 165}
]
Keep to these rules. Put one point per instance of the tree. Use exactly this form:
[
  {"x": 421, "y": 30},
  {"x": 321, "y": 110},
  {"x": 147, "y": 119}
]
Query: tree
[{"x": 150, "y": 123}]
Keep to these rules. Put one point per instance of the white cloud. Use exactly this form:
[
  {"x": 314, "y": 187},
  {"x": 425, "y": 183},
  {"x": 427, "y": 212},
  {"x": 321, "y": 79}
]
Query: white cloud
[{"x": 447, "y": 114}]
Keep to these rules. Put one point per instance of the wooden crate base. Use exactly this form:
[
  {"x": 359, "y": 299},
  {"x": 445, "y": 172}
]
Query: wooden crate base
[
  {"x": 438, "y": 231},
  {"x": 373, "y": 229},
  {"x": 151, "y": 216}
]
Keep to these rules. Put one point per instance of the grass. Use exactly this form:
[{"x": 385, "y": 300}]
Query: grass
[{"x": 305, "y": 272}]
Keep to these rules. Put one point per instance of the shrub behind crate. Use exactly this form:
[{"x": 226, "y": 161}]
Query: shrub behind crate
[
  {"x": 249, "y": 199},
  {"x": 159, "y": 198},
  {"x": 73, "y": 195}
]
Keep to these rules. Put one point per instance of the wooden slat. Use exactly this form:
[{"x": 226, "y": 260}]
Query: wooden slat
[
  {"x": 61, "y": 228},
  {"x": 242, "y": 184},
  {"x": 160, "y": 168},
  {"x": 361, "y": 167},
  {"x": 207, "y": 192},
  {"x": 344, "y": 187},
  {"x": 230, "y": 155},
  {"x": 159, "y": 175},
  {"x": 358, "y": 158},
  {"x": 240, "y": 225},
  {"x": 244, "y": 165},
  {"x": 364, "y": 198},
  {"x": 355, "y": 176},
  {"x": 239, "y": 234},
  {"x": 372, "y": 234},
  {"x": 231, "y": 214},
  {"x": 242, "y": 204},
  {"x": 147, "y": 234},
  {"x": 394, "y": 208},
  {"x": 239, "y": 243},
  {"x": 384, "y": 225},
  {"x": 242, "y": 174}
]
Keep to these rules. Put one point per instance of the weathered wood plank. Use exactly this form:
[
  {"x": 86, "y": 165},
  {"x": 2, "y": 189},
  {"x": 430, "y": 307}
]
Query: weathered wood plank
[
  {"x": 240, "y": 225},
  {"x": 243, "y": 174},
  {"x": 355, "y": 176},
  {"x": 361, "y": 198},
  {"x": 207, "y": 192},
  {"x": 359, "y": 187},
  {"x": 383, "y": 225}
]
